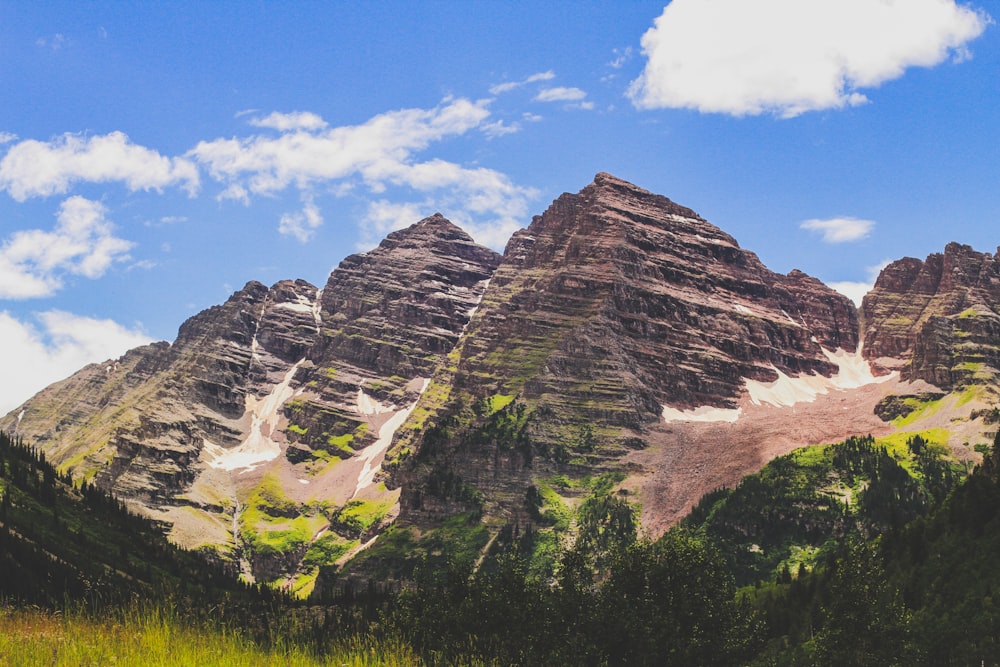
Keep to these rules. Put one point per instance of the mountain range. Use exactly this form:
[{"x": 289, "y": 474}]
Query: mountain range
[{"x": 620, "y": 342}]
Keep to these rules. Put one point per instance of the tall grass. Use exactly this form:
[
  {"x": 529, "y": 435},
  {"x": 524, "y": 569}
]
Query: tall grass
[{"x": 157, "y": 638}]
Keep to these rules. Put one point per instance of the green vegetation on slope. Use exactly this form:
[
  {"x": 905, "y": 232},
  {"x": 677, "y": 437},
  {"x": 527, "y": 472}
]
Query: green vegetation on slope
[{"x": 801, "y": 506}]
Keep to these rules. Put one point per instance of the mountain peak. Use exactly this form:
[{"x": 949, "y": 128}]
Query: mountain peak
[{"x": 427, "y": 232}]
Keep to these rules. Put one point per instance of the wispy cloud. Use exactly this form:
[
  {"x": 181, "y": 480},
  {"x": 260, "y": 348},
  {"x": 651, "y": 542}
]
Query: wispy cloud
[
  {"x": 500, "y": 128},
  {"x": 33, "y": 262},
  {"x": 54, "y": 42},
  {"x": 621, "y": 56},
  {"x": 560, "y": 94},
  {"x": 57, "y": 344},
  {"x": 840, "y": 230},
  {"x": 302, "y": 225},
  {"x": 787, "y": 57},
  {"x": 34, "y": 168},
  {"x": 283, "y": 122},
  {"x": 508, "y": 86}
]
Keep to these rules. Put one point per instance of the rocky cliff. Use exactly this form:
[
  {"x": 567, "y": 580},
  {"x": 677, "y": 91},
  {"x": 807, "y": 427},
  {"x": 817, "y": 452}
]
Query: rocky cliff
[
  {"x": 939, "y": 319},
  {"x": 260, "y": 431}
]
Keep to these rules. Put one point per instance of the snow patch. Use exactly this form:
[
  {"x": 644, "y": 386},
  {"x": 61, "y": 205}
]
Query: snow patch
[
  {"x": 298, "y": 307},
  {"x": 20, "y": 416},
  {"x": 317, "y": 308},
  {"x": 368, "y": 405},
  {"x": 254, "y": 348},
  {"x": 705, "y": 413},
  {"x": 259, "y": 446},
  {"x": 742, "y": 309},
  {"x": 303, "y": 481},
  {"x": 481, "y": 286},
  {"x": 789, "y": 318},
  {"x": 377, "y": 449},
  {"x": 853, "y": 371}
]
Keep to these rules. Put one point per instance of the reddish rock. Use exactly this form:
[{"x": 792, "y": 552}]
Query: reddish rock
[{"x": 939, "y": 319}]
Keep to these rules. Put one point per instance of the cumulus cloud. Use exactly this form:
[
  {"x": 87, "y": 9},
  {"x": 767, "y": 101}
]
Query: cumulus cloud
[
  {"x": 33, "y": 262},
  {"x": 508, "y": 86},
  {"x": 840, "y": 230},
  {"x": 380, "y": 154},
  {"x": 57, "y": 346},
  {"x": 747, "y": 57},
  {"x": 34, "y": 168},
  {"x": 7, "y": 137}
]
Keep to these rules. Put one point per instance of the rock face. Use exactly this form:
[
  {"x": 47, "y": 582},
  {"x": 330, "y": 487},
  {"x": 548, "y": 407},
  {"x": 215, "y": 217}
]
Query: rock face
[
  {"x": 611, "y": 307},
  {"x": 938, "y": 319},
  {"x": 260, "y": 431}
]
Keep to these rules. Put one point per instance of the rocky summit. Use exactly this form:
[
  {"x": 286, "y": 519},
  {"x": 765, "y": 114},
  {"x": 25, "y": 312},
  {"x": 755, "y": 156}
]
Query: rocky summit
[
  {"x": 937, "y": 319},
  {"x": 621, "y": 345},
  {"x": 614, "y": 312}
]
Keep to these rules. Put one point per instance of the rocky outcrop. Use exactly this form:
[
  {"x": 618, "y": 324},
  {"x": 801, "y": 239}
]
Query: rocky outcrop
[{"x": 938, "y": 319}]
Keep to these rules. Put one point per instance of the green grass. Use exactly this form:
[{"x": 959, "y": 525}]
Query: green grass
[
  {"x": 498, "y": 402},
  {"x": 155, "y": 638}
]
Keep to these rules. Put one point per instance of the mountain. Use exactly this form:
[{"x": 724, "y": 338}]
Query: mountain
[
  {"x": 259, "y": 432},
  {"x": 614, "y": 312},
  {"x": 434, "y": 394}
]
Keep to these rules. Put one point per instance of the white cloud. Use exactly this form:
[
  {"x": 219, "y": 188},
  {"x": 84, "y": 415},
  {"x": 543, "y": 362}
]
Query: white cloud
[
  {"x": 380, "y": 154},
  {"x": 621, "y": 56},
  {"x": 787, "y": 57},
  {"x": 32, "y": 262},
  {"x": 40, "y": 169},
  {"x": 267, "y": 164},
  {"x": 508, "y": 86},
  {"x": 301, "y": 225},
  {"x": 856, "y": 290},
  {"x": 297, "y": 120},
  {"x": 7, "y": 137},
  {"x": 37, "y": 357},
  {"x": 560, "y": 94},
  {"x": 840, "y": 230},
  {"x": 385, "y": 216},
  {"x": 499, "y": 129}
]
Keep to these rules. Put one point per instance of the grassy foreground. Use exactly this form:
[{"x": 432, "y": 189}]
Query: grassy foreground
[{"x": 153, "y": 638}]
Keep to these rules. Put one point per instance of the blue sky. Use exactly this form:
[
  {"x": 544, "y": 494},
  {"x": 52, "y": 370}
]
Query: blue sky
[{"x": 155, "y": 157}]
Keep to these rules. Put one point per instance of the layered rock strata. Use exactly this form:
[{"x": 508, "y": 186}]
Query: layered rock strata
[
  {"x": 938, "y": 319},
  {"x": 260, "y": 431},
  {"x": 613, "y": 306}
]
